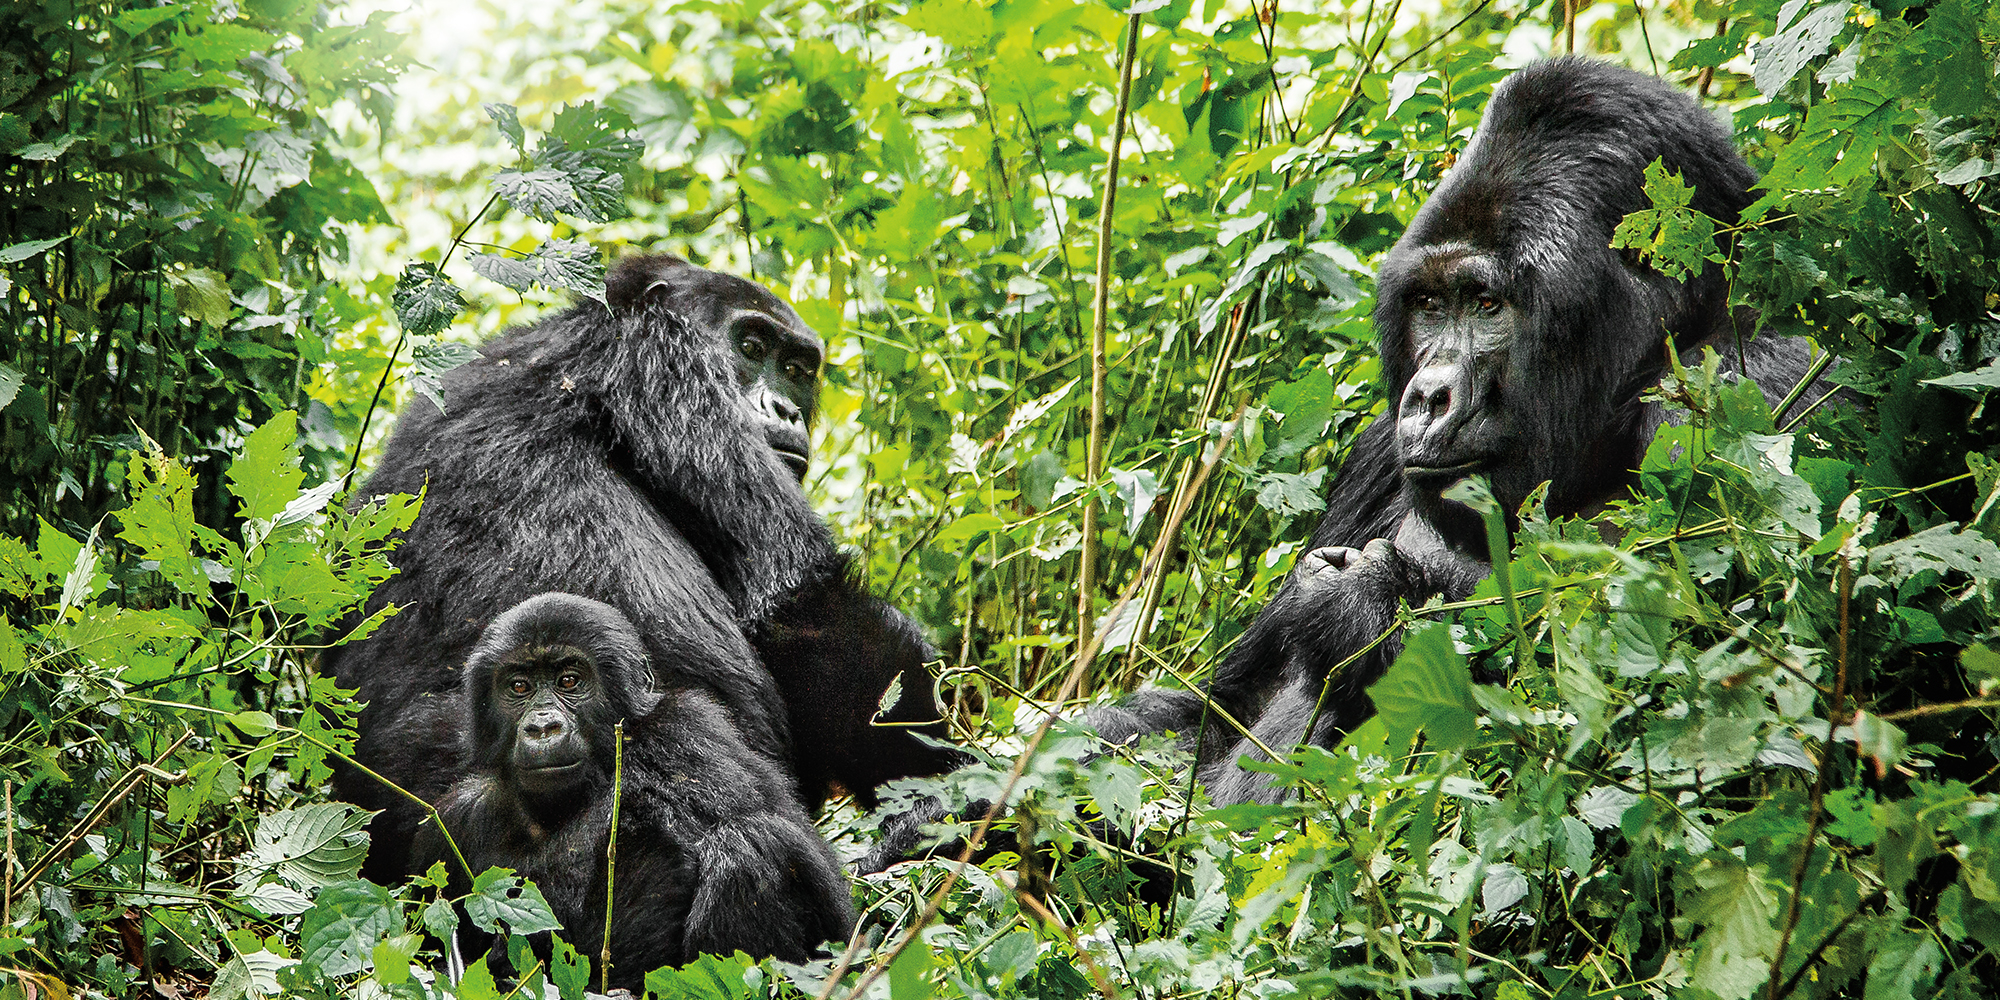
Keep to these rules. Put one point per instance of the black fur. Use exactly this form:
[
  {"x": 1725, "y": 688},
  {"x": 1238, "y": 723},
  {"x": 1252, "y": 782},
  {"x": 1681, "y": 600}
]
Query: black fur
[
  {"x": 715, "y": 853},
  {"x": 1514, "y": 244},
  {"x": 610, "y": 453}
]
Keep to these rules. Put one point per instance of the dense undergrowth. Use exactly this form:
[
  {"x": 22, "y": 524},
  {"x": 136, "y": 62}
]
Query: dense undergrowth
[{"x": 1733, "y": 739}]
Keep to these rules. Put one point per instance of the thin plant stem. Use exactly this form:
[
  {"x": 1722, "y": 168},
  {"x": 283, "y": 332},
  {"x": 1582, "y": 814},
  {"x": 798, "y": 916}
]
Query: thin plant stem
[
  {"x": 1100, "y": 305},
  {"x": 611, "y": 854}
]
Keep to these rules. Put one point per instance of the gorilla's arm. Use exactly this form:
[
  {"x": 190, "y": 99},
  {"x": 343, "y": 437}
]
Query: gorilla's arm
[
  {"x": 754, "y": 873},
  {"x": 834, "y": 650}
]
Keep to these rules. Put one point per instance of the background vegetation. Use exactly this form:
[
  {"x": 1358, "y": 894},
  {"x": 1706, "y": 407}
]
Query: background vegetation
[{"x": 1744, "y": 748}]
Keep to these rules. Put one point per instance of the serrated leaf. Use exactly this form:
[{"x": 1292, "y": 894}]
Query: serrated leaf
[
  {"x": 1841, "y": 134},
  {"x": 309, "y": 847},
  {"x": 1982, "y": 378},
  {"x": 1673, "y": 237},
  {"x": 1942, "y": 549},
  {"x": 338, "y": 935},
  {"x": 1604, "y": 806},
  {"x": 426, "y": 302},
  {"x": 709, "y": 977},
  {"x": 509, "y": 121},
  {"x": 1430, "y": 688},
  {"x": 540, "y": 193},
  {"x": 571, "y": 265},
  {"x": 500, "y": 897},
  {"x": 431, "y": 362},
  {"x": 265, "y": 477},
  {"x": 250, "y": 976},
  {"x": 1779, "y": 58},
  {"x": 1290, "y": 494}
]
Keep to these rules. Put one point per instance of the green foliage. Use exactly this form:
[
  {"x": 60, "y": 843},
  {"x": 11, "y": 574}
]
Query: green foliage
[
  {"x": 1733, "y": 738},
  {"x": 171, "y": 219}
]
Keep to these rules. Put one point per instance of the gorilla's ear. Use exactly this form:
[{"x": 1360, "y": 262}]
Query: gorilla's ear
[{"x": 633, "y": 278}]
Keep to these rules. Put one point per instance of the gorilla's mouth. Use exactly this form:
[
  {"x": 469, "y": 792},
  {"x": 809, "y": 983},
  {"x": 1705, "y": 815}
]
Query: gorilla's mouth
[
  {"x": 797, "y": 461},
  {"x": 1440, "y": 473}
]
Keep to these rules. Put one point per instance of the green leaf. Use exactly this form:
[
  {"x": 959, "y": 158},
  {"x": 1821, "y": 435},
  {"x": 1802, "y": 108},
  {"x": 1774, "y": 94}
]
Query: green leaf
[
  {"x": 1941, "y": 549},
  {"x": 202, "y": 294},
  {"x": 909, "y": 974},
  {"x": 568, "y": 970},
  {"x": 250, "y": 976},
  {"x": 50, "y": 150},
  {"x": 1138, "y": 488},
  {"x": 1779, "y": 58},
  {"x": 509, "y": 121},
  {"x": 1290, "y": 494},
  {"x": 432, "y": 362},
  {"x": 338, "y": 935},
  {"x": 266, "y": 475},
  {"x": 426, "y": 302},
  {"x": 500, "y": 897},
  {"x": 1674, "y": 238},
  {"x": 1738, "y": 906},
  {"x": 22, "y": 251},
  {"x": 541, "y": 193},
  {"x": 572, "y": 265},
  {"x": 1430, "y": 688},
  {"x": 310, "y": 847},
  {"x": 1983, "y": 378},
  {"x": 710, "y": 977},
  {"x": 1841, "y": 134}
]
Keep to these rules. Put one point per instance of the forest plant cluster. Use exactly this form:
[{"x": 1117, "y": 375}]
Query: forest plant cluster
[{"x": 1732, "y": 738}]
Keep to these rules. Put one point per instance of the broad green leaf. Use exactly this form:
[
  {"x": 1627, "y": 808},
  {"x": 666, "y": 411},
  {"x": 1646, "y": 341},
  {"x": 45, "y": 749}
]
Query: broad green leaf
[
  {"x": 338, "y": 935},
  {"x": 22, "y": 251},
  {"x": 1779, "y": 58},
  {"x": 10, "y": 385},
  {"x": 311, "y": 846},
  {"x": 1430, "y": 688},
  {"x": 1672, "y": 236},
  {"x": 1942, "y": 549},
  {"x": 432, "y": 362},
  {"x": 1138, "y": 488},
  {"x": 1841, "y": 134},
  {"x": 568, "y": 970},
  {"x": 709, "y": 977},
  {"x": 266, "y": 475},
  {"x": 500, "y": 897},
  {"x": 509, "y": 122},
  {"x": 250, "y": 976}
]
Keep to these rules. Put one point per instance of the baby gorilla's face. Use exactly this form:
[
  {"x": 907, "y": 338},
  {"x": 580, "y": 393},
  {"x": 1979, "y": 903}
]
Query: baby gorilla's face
[{"x": 546, "y": 694}]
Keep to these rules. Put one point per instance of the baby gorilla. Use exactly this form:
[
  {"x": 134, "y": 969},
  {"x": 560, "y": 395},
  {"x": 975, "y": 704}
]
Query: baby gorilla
[{"x": 715, "y": 854}]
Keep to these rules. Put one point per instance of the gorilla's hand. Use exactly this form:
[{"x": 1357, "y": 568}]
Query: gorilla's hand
[{"x": 1337, "y": 572}]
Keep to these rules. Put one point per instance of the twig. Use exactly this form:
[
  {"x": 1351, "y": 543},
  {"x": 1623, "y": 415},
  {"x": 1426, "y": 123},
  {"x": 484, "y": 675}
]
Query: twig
[
  {"x": 133, "y": 777},
  {"x": 611, "y": 854},
  {"x": 7, "y": 893},
  {"x": 1028, "y": 901},
  {"x": 1818, "y": 812},
  {"x": 1101, "y": 303}
]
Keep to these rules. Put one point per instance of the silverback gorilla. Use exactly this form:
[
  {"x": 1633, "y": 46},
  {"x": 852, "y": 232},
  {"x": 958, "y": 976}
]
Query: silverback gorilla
[
  {"x": 646, "y": 453},
  {"x": 1516, "y": 344},
  {"x": 715, "y": 853}
]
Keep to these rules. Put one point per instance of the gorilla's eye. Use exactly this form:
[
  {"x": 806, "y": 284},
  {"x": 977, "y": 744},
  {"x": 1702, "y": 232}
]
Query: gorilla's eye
[
  {"x": 796, "y": 371},
  {"x": 752, "y": 348},
  {"x": 519, "y": 685},
  {"x": 1488, "y": 305},
  {"x": 568, "y": 682},
  {"x": 1424, "y": 303}
]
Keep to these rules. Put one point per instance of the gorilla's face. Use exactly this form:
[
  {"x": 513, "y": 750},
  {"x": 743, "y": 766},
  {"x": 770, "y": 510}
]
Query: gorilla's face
[
  {"x": 550, "y": 695},
  {"x": 1452, "y": 420},
  {"x": 778, "y": 357}
]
